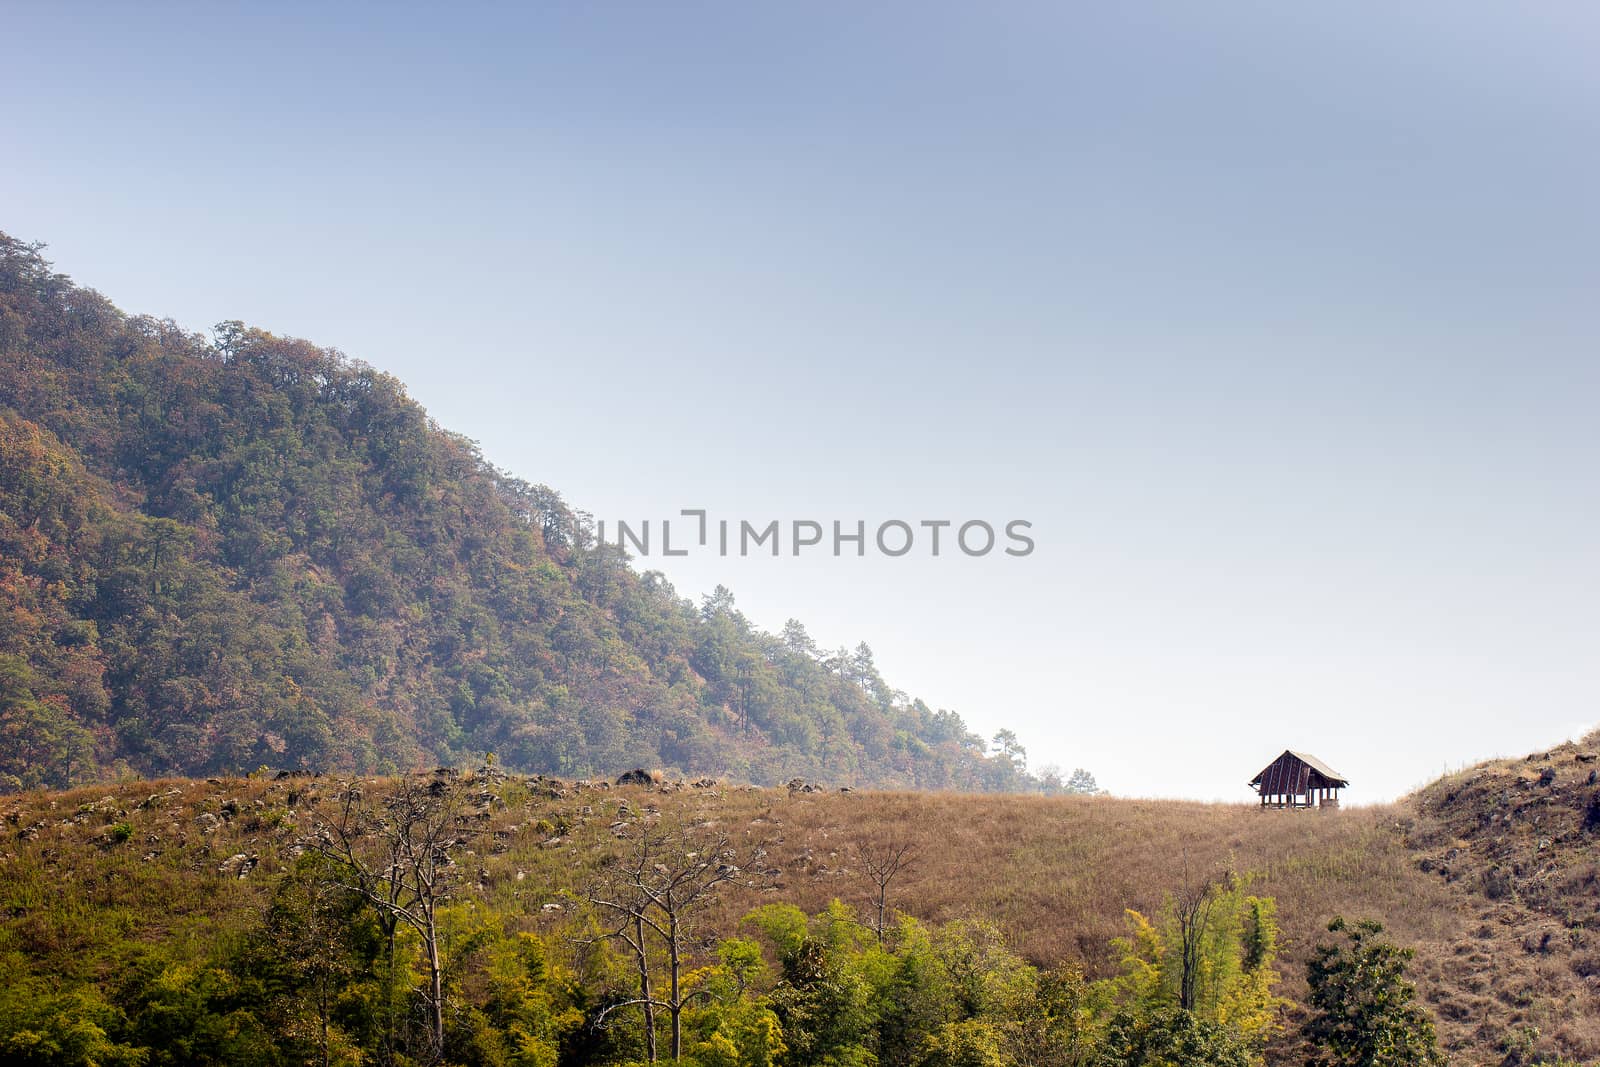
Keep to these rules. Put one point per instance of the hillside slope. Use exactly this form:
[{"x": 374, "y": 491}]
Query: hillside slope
[
  {"x": 1497, "y": 899},
  {"x": 219, "y": 555}
]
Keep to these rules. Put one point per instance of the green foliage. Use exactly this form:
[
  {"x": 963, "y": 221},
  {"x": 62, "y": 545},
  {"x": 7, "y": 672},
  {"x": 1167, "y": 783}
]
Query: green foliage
[
  {"x": 969, "y": 1043},
  {"x": 949, "y": 995},
  {"x": 1214, "y": 948},
  {"x": 527, "y": 1010},
  {"x": 1364, "y": 1010},
  {"x": 1061, "y": 1022},
  {"x": 40, "y": 744},
  {"x": 199, "y": 1014},
  {"x": 732, "y": 1030},
  {"x": 1171, "y": 1037},
  {"x": 76, "y": 1028},
  {"x": 289, "y": 966},
  {"x": 217, "y": 556}
]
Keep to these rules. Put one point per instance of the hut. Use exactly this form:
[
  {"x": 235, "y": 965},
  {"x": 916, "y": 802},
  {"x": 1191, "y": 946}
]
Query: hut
[{"x": 1297, "y": 780}]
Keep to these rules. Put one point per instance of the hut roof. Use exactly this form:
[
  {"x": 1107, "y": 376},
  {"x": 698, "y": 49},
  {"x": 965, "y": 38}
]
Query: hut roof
[{"x": 1310, "y": 761}]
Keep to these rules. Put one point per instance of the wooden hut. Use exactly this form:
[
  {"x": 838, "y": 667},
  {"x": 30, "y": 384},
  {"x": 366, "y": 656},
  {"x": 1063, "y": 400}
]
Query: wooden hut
[{"x": 1296, "y": 780}]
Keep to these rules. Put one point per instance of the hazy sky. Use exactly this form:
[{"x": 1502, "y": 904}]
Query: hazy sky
[{"x": 1279, "y": 323}]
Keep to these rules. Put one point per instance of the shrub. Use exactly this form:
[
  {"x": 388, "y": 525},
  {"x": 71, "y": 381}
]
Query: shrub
[
  {"x": 1364, "y": 1010},
  {"x": 1171, "y": 1037}
]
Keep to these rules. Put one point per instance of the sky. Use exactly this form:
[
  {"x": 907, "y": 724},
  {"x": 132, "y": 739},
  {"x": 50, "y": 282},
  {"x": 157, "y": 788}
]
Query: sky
[{"x": 1276, "y": 322}]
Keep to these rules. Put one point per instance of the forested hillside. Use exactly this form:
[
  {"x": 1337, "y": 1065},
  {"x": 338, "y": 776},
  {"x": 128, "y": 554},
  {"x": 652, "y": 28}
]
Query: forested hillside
[{"x": 221, "y": 554}]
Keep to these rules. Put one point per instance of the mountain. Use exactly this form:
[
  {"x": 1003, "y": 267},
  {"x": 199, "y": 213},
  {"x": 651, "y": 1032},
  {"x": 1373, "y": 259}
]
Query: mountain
[{"x": 217, "y": 555}]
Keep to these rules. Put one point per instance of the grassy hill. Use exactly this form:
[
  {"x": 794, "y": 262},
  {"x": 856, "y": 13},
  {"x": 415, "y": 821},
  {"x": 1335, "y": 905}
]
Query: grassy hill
[
  {"x": 218, "y": 554},
  {"x": 1490, "y": 874}
]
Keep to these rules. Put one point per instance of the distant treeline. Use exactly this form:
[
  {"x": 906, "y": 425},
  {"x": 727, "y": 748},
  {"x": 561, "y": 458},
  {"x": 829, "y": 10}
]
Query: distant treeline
[{"x": 244, "y": 551}]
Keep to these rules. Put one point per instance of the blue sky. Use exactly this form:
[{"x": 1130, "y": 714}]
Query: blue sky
[{"x": 1277, "y": 323}]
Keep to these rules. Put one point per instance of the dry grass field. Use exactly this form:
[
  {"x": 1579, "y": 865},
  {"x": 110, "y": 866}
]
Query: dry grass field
[{"x": 1490, "y": 874}]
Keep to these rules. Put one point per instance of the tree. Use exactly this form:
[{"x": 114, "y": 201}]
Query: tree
[
  {"x": 864, "y": 669},
  {"x": 1192, "y": 911},
  {"x": 1364, "y": 1010},
  {"x": 40, "y": 744},
  {"x": 797, "y": 640},
  {"x": 397, "y": 852},
  {"x": 1170, "y": 1037},
  {"x": 39, "y": 1025},
  {"x": 718, "y": 602},
  {"x": 1082, "y": 783},
  {"x": 1010, "y": 749},
  {"x": 1059, "y": 1023},
  {"x": 826, "y": 1005},
  {"x": 969, "y": 1043},
  {"x": 308, "y": 930},
  {"x": 1211, "y": 956},
  {"x": 653, "y": 892},
  {"x": 882, "y": 864}
]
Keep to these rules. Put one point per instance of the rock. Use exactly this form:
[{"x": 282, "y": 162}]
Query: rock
[
  {"x": 638, "y": 776},
  {"x": 153, "y": 797},
  {"x": 238, "y": 865},
  {"x": 207, "y": 822},
  {"x": 551, "y": 907}
]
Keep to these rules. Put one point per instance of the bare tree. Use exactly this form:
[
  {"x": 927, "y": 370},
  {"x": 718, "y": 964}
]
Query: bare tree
[
  {"x": 882, "y": 864},
  {"x": 1193, "y": 908},
  {"x": 652, "y": 892},
  {"x": 395, "y": 851}
]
